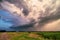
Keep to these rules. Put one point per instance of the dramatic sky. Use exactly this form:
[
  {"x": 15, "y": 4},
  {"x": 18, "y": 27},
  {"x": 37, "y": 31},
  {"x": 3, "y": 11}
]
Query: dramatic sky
[{"x": 43, "y": 14}]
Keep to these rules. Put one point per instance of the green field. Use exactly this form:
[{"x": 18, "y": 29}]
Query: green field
[{"x": 30, "y": 36}]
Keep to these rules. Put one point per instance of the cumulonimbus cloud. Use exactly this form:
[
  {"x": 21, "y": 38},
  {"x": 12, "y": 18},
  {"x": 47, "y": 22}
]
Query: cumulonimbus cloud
[{"x": 35, "y": 10}]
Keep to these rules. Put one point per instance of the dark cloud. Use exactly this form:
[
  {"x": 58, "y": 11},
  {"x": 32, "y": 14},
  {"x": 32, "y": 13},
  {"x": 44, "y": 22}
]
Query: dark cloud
[
  {"x": 0, "y": 0},
  {"x": 25, "y": 12},
  {"x": 23, "y": 27},
  {"x": 20, "y": 4},
  {"x": 41, "y": 0}
]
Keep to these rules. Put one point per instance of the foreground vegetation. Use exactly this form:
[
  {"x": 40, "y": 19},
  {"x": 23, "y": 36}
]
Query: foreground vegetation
[{"x": 30, "y": 36}]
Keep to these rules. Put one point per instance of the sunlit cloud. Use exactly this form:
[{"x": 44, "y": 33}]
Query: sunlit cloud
[{"x": 35, "y": 11}]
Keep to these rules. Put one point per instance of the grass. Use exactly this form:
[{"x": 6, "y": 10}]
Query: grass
[{"x": 31, "y": 35}]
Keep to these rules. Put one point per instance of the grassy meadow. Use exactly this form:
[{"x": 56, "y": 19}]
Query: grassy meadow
[{"x": 29, "y": 35}]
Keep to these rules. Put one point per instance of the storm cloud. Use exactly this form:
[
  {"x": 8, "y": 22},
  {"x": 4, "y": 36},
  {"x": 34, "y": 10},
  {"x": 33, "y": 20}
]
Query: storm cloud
[{"x": 44, "y": 15}]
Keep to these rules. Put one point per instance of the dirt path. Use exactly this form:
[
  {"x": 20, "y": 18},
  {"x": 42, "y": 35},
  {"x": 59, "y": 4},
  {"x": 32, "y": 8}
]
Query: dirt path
[{"x": 4, "y": 36}]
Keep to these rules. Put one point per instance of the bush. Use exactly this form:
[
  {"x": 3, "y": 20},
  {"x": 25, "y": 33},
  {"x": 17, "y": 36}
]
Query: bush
[{"x": 50, "y": 35}]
